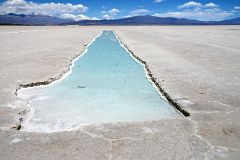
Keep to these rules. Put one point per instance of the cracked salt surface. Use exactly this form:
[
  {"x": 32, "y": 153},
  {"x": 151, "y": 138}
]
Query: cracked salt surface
[{"x": 113, "y": 88}]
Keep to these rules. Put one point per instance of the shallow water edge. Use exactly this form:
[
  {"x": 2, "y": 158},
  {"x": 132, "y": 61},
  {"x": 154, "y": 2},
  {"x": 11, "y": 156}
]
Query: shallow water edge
[
  {"x": 153, "y": 80},
  {"x": 62, "y": 76},
  {"x": 29, "y": 111}
]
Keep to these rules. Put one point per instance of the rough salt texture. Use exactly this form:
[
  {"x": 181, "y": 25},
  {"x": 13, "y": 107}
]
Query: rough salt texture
[{"x": 197, "y": 66}]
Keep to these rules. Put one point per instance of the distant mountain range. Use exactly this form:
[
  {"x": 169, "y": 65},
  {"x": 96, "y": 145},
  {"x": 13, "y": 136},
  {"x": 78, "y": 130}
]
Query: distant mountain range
[
  {"x": 15, "y": 19},
  {"x": 22, "y": 19}
]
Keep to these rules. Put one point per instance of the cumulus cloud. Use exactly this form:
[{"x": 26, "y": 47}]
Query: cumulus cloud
[
  {"x": 190, "y": 5},
  {"x": 110, "y": 13},
  {"x": 207, "y": 15},
  {"x": 107, "y": 16},
  {"x": 193, "y": 4},
  {"x": 16, "y": 2},
  {"x": 237, "y": 7},
  {"x": 198, "y": 11},
  {"x": 77, "y": 17},
  {"x": 158, "y": 1},
  {"x": 139, "y": 12},
  {"x": 113, "y": 11},
  {"x": 52, "y": 9},
  {"x": 211, "y": 5}
]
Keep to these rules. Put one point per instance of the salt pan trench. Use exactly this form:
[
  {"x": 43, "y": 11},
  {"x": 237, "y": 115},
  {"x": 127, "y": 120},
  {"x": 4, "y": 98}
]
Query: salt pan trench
[{"x": 106, "y": 85}]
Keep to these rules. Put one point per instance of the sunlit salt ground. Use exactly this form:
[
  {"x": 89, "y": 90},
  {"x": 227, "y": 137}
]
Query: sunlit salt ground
[{"x": 106, "y": 85}]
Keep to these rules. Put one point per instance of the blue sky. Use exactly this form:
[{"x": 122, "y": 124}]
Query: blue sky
[{"x": 112, "y": 9}]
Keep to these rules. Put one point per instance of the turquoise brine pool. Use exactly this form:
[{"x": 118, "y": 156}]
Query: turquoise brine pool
[{"x": 106, "y": 85}]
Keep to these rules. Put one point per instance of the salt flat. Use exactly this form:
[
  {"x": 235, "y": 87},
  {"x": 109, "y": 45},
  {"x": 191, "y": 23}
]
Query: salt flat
[{"x": 198, "y": 66}]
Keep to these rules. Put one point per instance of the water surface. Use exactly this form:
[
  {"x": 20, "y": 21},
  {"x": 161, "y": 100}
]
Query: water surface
[{"x": 106, "y": 85}]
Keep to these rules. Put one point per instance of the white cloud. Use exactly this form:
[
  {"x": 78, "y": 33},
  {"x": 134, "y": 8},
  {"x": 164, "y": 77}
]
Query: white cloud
[
  {"x": 193, "y": 4},
  {"x": 16, "y": 2},
  {"x": 198, "y": 11},
  {"x": 190, "y": 5},
  {"x": 211, "y": 5},
  {"x": 139, "y": 12},
  {"x": 52, "y": 9},
  {"x": 77, "y": 17},
  {"x": 113, "y": 11},
  {"x": 237, "y": 7},
  {"x": 127, "y": 16},
  {"x": 110, "y": 14},
  {"x": 107, "y": 16},
  {"x": 158, "y": 1},
  {"x": 214, "y": 14}
]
